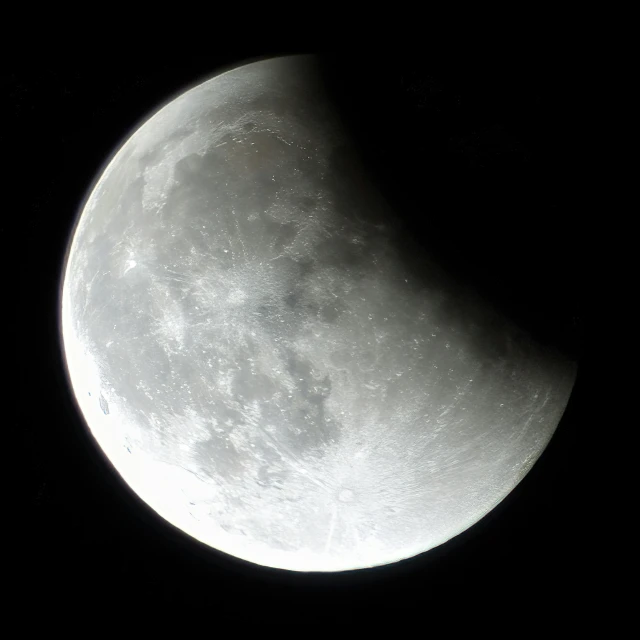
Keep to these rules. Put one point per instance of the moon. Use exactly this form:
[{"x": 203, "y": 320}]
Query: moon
[{"x": 253, "y": 348}]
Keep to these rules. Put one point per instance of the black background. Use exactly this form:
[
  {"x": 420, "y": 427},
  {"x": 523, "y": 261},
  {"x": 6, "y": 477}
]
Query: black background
[{"x": 473, "y": 153}]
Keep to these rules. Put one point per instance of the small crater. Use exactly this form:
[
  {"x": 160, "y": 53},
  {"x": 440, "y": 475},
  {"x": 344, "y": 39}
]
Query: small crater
[{"x": 249, "y": 126}]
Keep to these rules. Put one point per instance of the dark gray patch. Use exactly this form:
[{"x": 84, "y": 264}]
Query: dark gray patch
[
  {"x": 104, "y": 405},
  {"x": 340, "y": 253},
  {"x": 305, "y": 204},
  {"x": 249, "y": 386},
  {"x": 292, "y": 299},
  {"x": 266, "y": 310},
  {"x": 329, "y": 313},
  {"x": 317, "y": 428},
  {"x": 284, "y": 236},
  {"x": 306, "y": 266},
  {"x": 311, "y": 308}
]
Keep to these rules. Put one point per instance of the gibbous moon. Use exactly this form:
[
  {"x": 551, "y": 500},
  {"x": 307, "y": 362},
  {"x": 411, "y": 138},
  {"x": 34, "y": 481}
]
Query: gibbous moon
[{"x": 254, "y": 352}]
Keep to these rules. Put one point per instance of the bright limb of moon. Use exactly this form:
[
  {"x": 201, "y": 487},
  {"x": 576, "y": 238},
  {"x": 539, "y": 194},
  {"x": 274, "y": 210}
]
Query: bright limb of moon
[{"x": 261, "y": 365}]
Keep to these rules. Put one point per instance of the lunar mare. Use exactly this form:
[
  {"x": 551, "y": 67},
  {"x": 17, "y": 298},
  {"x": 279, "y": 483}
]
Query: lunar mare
[{"x": 253, "y": 353}]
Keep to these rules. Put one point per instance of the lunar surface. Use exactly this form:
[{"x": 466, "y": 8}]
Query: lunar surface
[{"x": 260, "y": 361}]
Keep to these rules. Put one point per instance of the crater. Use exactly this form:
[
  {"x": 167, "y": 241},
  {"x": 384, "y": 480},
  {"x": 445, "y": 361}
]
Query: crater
[{"x": 104, "y": 405}]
